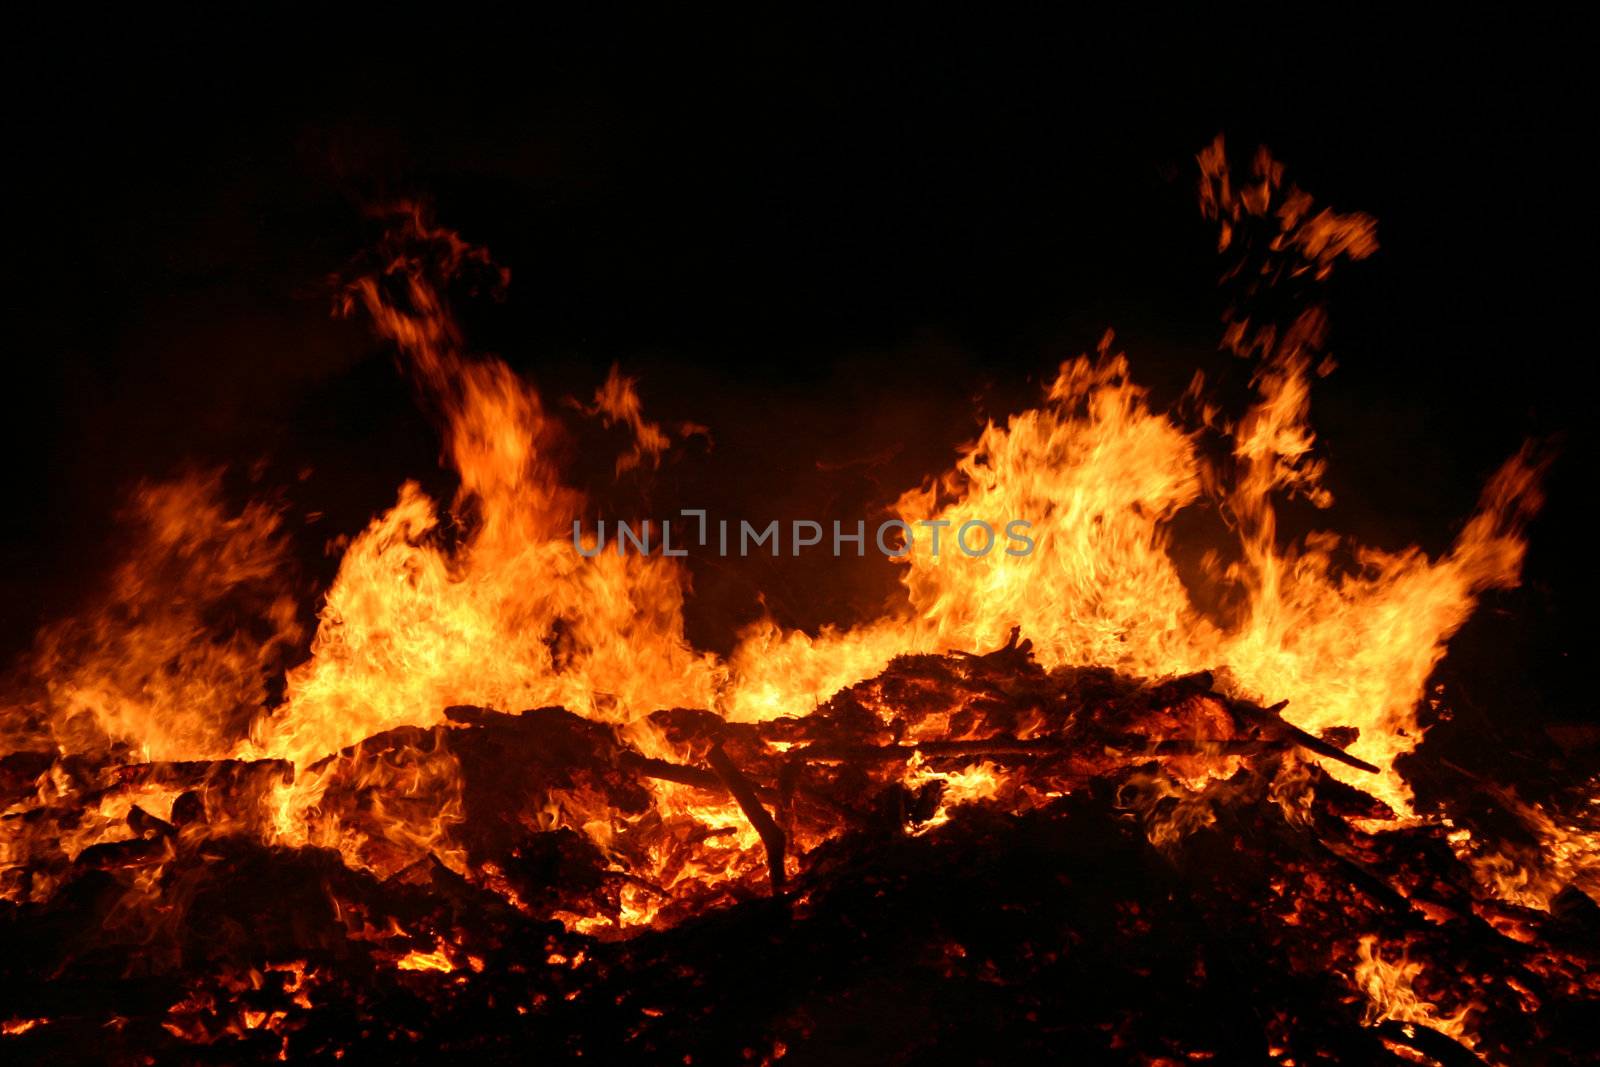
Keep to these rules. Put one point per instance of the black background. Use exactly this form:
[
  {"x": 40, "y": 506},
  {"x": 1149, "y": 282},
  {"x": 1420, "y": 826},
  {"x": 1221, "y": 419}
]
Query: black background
[{"x": 840, "y": 246}]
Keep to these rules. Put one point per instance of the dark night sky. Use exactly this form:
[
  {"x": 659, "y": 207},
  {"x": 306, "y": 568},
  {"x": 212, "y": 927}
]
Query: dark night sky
[{"x": 840, "y": 240}]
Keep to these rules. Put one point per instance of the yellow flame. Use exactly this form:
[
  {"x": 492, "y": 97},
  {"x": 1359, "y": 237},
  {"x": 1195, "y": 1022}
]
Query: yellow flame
[
  {"x": 486, "y": 602},
  {"x": 1388, "y": 986}
]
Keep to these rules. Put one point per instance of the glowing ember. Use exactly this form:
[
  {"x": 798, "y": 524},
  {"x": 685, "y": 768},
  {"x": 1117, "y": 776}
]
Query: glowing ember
[{"x": 425, "y": 961}]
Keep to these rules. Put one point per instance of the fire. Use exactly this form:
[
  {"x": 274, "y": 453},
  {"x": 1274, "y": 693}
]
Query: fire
[
  {"x": 1562, "y": 849},
  {"x": 1102, "y": 475},
  {"x": 976, "y": 783},
  {"x": 12, "y": 1027},
  {"x": 445, "y": 614},
  {"x": 507, "y": 615},
  {"x": 1389, "y": 986},
  {"x": 198, "y": 616},
  {"x": 417, "y": 960}
]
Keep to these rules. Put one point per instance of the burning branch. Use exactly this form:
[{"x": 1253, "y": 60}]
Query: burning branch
[
  {"x": 744, "y": 791},
  {"x": 1269, "y": 720}
]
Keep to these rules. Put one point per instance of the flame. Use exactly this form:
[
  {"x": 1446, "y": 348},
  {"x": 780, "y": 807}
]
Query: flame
[
  {"x": 616, "y": 403},
  {"x": 483, "y": 601},
  {"x": 417, "y": 960},
  {"x": 1563, "y": 850},
  {"x": 197, "y": 617},
  {"x": 1101, "y": 475},
  {"x": 982, "y": 781},
  {"x": 1389, "y": 987},
  {"x": 509, "y": 616}
]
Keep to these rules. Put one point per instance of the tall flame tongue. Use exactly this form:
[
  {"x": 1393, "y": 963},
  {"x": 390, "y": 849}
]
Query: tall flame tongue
[{"x": 509, "y": 615}]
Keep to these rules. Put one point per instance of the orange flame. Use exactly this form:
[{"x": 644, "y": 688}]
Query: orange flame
[
  {"x": 196, "y": 619},
  {"x": 487, "y": 603}
]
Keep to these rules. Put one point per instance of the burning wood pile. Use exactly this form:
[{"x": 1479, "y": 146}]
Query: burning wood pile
[
  {"x": 1048, "y": 809},
  {"x": 966, "y": 855}
]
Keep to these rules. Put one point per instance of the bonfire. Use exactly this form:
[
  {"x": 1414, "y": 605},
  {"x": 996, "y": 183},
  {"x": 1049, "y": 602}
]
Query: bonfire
[{"x": 1048, "y": 807}]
